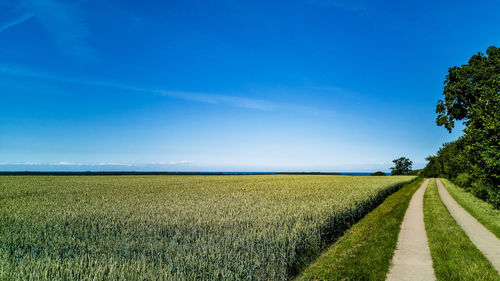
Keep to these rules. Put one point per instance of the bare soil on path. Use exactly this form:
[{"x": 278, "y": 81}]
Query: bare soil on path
[
  {"x": 412, "y": 258},
  {"x": 480, "y": 236}
]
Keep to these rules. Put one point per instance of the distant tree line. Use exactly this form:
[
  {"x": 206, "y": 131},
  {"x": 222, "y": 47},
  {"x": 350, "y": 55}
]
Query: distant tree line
[{"x": 472, "y": 96}]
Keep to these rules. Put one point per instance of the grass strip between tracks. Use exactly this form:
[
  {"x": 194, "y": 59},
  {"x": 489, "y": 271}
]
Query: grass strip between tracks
[
  {"x": 453, "y": 254},
  {"x": 484, "y": 212}
]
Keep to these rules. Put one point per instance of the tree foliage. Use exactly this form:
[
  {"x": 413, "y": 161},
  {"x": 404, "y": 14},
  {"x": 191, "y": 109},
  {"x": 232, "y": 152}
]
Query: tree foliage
[
  {"x": 472, "y": 96},
  {"x": 449, "y": 161},
  {"x": 402, "y": 166},
  {"x": 416, "y": 172}
]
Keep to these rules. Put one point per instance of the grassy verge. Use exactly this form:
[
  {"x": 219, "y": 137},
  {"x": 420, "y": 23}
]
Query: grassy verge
[
  {"x": 365, "y": 251},
  {"x": 454, "y": 256},
  {"x": 484, "y": 212}
]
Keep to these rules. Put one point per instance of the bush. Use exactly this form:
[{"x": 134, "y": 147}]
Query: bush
[
  {"x": 417, "y": 172},
  {"x": 463, "y": 180},
  {"x": 378, "y": 173},
  {"x": 480, "y": 191}
]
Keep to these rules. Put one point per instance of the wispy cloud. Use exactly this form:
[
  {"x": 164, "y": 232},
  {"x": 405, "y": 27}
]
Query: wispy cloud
[
  {"x": 64, "y": 163},
  {"x": 63, "y": 21},
  {"x": 210, "y": 98},
  {"x": 28, "y": 163},
  {"x": 15, "y": 21},
  {"x": 61, "y": 163},
  {"x": 183, "y": 162},
  {"x": 221, "y": 99}
]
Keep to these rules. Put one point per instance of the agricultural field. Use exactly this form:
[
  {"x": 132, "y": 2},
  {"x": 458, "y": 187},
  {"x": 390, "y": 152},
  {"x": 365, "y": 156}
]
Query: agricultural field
[{"x": 253, "y": 227}]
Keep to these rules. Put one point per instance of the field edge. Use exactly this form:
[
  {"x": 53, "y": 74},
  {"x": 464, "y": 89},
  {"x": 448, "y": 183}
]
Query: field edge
[{"x": 365, "y": 250}]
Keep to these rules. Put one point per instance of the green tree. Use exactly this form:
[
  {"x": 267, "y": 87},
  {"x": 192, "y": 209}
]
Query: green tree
[
  {"x": 434, "y": 167},
  {"x": 472, "y": 95},
  {"x": 402, "y": 166}
]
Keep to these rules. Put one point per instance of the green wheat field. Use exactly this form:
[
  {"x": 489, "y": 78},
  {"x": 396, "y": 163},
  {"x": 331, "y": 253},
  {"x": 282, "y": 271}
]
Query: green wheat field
[{"x": 250, "y": 227}]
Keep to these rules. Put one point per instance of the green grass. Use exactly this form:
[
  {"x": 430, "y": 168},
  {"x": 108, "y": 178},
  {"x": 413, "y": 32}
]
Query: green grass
[
  {"x": 481, "y": 210},
  {"x": 454, "y": 256},
  {"x": 259, "y": 227},
  {"x": 366, "y": 249}
]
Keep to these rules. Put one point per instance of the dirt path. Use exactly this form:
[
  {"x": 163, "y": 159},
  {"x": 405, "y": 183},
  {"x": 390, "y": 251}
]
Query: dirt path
[
  {"x": 484, "y": 240},
  {"x": 412, "y": 258}
]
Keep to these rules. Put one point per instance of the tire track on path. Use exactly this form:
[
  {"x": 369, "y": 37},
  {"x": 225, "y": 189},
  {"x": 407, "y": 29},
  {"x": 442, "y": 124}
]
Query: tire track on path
[
  {"x": 480, "y": 236},
  {"x": 412, "y": 257}
]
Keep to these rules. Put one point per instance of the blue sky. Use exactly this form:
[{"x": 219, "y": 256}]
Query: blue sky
[{"x": 229, "y": 85}]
